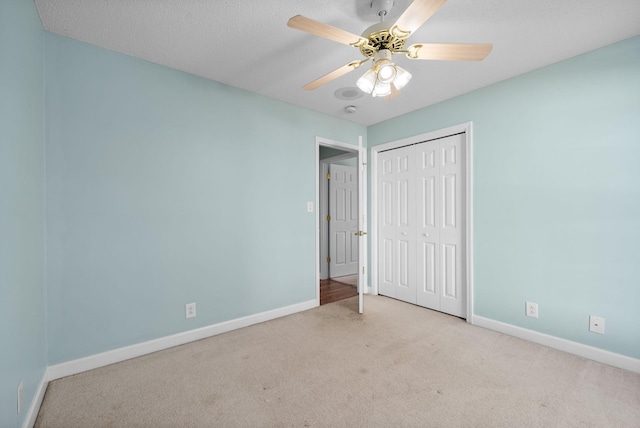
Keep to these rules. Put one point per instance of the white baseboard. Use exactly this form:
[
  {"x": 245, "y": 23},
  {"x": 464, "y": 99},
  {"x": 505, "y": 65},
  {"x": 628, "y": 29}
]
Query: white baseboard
[
  {"x": 121, "y": 354},
  {"x": 585, "y": 351},
  {"x": 34, "y": 408}
]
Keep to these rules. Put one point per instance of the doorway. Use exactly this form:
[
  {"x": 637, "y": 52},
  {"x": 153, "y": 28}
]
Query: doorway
[
  {"x": 338, "y": 224},
  {"x": 341, "y": 240}
]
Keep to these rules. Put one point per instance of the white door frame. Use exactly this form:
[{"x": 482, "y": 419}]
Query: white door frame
[
  {"x": 322, "y": 208},
  {"x": 362, "y": 199},
  {"x": 468, "y": 236}
]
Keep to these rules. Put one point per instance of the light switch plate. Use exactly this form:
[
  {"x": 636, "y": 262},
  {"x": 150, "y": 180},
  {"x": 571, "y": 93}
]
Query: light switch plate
[{"x": 309, "y": 207}]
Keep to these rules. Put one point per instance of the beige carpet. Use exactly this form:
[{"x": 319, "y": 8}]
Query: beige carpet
[{"x": 397, "y": 365}]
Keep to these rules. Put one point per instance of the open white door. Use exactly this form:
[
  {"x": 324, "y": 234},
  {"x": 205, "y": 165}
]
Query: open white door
[{"x": 362, "y": 223}]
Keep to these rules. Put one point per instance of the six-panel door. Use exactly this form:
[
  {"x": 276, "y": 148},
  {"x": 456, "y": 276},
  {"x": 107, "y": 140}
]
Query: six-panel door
[
  {"x": 421, "y": 224},
  {"x": 343, "y": 209}
]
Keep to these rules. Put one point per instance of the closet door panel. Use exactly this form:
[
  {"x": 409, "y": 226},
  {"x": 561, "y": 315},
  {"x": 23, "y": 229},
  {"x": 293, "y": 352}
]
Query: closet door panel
[
  {"x": 386, "y": 225},
  {"x": 428, "y": 218},
  {"x": 396, "y": 248},
  {"x": 452, "y": 299},
  {"x": 405, "y": 226}
]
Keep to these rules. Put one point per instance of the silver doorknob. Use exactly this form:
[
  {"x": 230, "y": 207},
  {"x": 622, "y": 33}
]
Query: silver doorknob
[
  {"x": 404, "y": 233},
  {"x": 425, "y": 235},
  {"x": 360, "y": 233}
]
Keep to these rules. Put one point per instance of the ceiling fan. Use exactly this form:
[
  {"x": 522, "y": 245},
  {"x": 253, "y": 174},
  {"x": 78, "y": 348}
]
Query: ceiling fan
[{"x": 381, "y": 41}]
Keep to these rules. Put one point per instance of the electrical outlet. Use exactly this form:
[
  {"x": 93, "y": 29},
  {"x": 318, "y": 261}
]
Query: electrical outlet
[
  {"x": 190, "y": 310},
  {"x": 596, "y": 324},
  {"x": 20, "y": 396},
  {"x": 531, "y": 309}
]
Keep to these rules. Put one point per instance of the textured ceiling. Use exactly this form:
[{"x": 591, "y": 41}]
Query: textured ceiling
[{"x": 247, "y": 44}]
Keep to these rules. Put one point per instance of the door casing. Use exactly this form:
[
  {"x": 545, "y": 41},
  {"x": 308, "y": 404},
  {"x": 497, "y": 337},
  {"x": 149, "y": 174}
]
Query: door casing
[{"x": 467, "y": 239}]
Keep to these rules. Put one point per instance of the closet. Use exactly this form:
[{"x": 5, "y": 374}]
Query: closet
[{"x": 421, "y": 226}]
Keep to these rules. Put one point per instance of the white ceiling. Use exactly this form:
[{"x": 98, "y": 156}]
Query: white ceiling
[{"x": 247, "y": 44}]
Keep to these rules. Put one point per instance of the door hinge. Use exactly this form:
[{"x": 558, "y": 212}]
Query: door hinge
[
  {"x": 328, "y": 218},
  {"x": 328, "y": 176},
  {"x": 328, "y": 259},
  {"x": 363, "y": 270}
]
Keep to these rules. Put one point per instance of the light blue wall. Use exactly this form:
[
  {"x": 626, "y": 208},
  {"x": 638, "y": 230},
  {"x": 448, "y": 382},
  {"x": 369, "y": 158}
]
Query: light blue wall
[
  {"x": 22, "y": 260},
  {"x": 165, "y": 189},
  {"x": 557, "y": 194}
]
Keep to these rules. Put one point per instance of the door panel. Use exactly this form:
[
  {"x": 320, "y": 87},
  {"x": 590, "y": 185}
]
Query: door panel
[
  {"x": 428, "y": 268},
  {"x": 449, "y": 201},
  {"x": 427, "y": 213},
  {"x": 341, "y": 202},
  {"x": 405, "y": 225},
  {"x": 386, "y": 230},
  {"x": 449, "y": 279},
  {"x": 452, "y": 299},
  {"x": 387, "y": 264},
  {"x": 341, "y": 248},
  {"x": 427, "y": 232},
  {"x": 397, "y": 242},
  {"x": 343, "y": 210}
]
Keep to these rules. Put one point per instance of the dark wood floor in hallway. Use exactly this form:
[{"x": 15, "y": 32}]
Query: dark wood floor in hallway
[{"x": 333, "y": 291}]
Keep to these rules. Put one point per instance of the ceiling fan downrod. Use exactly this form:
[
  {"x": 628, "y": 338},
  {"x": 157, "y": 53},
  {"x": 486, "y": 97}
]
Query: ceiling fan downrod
[{"x": 382, "y": 7}]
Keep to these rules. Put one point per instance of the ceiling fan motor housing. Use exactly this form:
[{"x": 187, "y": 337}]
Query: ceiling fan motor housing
[{"x": 380, "y": 37}]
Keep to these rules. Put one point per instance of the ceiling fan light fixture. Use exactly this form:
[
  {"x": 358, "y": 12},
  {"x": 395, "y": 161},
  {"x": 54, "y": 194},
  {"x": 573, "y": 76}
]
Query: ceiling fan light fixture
[
  {"x": 368, "y": 81},
  {"x": 402, "y": 78},
  {"x": 381, "y": 89},
  {"x": 386, "y": 71},
  {"x": 378, "y": 79}
]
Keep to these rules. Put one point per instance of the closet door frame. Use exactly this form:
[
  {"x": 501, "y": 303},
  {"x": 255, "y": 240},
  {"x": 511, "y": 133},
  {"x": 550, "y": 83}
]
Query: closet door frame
[{"x": 468, "y": 202}]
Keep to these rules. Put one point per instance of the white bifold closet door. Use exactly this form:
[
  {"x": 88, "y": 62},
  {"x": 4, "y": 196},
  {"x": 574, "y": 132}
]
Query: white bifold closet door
[{"x": 421, "y": 224}]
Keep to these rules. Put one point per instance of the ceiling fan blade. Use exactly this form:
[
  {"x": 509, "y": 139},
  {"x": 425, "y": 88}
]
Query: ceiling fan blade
[
  {"x": 450, "y": 51},
  {"x": 334, "y": 75},
  {"x": 319, "y": 29},
  {"x": 416, "y": 14}
]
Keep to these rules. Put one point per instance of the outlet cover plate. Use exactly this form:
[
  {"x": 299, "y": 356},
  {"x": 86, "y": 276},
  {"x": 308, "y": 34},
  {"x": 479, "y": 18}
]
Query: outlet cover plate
[
  {"x": 190, "y": 310},
  {"x": 531, "y": 309},
  {"x": 596, "y": 324}
]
